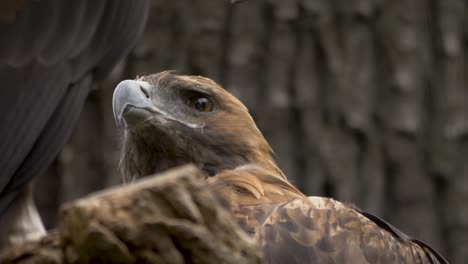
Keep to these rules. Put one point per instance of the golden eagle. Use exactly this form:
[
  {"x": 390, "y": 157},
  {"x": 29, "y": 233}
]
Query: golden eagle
[{"x": 172, "y": 120}]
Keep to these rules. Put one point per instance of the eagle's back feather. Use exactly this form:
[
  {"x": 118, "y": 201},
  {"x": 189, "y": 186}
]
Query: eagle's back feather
[
  {"x": 322, "y": 230},
  {"x": 293, "y": 228}
]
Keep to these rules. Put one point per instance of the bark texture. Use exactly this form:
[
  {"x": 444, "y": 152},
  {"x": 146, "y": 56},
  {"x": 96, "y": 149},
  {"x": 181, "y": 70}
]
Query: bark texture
[
  {"x": 168, "y": 218},
  {"x": 364, "y": 101}
]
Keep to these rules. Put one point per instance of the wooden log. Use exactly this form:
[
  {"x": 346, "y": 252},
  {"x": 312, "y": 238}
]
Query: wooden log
[{"x": 167, "y": 218}]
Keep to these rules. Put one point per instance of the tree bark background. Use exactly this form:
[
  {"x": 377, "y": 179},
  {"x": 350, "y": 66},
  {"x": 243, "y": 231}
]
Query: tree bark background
[{"x": 365, "y": 101}]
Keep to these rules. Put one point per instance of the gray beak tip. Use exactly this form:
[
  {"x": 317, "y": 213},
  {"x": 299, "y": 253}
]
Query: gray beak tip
[
  {"x": 128, "y": 93},
  {"x": 116, "y": 104}
]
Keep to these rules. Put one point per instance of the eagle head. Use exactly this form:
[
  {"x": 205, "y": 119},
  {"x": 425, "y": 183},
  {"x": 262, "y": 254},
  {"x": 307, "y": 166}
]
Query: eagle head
[{"x": 171, "y": 120}]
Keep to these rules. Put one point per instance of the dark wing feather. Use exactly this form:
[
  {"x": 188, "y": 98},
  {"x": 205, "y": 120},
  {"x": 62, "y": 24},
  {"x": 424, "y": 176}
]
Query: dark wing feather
[
  {"x": 321, "y": 230},
  {"x": 127, "y": 31},
  {"x": 430, "y": 252},
  {"x": 49, "y": 54},
  {"x": 52, "y": 139}
]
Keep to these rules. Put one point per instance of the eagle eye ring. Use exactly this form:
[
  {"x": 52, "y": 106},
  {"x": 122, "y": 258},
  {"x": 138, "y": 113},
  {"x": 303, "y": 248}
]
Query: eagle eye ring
[{"x": 201, "y": 104}]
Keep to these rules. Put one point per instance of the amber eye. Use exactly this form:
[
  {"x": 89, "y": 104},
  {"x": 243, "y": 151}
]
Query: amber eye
[{"x": 201, "y": 104}]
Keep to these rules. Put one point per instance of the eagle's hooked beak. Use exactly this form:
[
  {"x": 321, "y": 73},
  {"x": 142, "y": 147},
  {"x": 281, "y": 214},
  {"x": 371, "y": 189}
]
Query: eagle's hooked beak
[{"x": 131, "y": 102}]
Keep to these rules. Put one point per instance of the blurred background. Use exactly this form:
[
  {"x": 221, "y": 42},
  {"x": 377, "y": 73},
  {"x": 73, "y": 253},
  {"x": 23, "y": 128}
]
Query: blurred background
[{"x": 365, "y": 101}]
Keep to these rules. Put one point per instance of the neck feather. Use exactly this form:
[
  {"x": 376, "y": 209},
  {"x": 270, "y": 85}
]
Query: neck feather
[{"x": 254, "y": 184}]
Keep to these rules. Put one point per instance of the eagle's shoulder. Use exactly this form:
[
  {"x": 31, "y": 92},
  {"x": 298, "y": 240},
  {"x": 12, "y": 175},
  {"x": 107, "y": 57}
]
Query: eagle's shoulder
[{"x": 317, "y": 229}]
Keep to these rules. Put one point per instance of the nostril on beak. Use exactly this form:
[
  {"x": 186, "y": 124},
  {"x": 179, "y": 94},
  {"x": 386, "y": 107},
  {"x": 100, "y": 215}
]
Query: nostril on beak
[{"x": 144, "y": 91}]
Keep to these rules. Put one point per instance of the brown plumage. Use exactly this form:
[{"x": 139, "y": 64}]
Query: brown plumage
[{"x": 171, "y": 120}]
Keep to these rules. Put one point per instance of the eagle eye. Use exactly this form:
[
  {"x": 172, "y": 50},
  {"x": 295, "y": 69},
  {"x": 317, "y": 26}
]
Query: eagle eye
[{"x": 201, "y": 104}]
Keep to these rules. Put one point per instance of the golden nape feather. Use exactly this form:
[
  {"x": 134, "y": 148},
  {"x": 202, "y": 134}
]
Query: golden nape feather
[{"x": 171, "y": 120}]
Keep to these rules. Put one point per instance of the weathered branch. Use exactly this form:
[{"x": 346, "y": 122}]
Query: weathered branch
[{"x": 169, "y": 218}]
